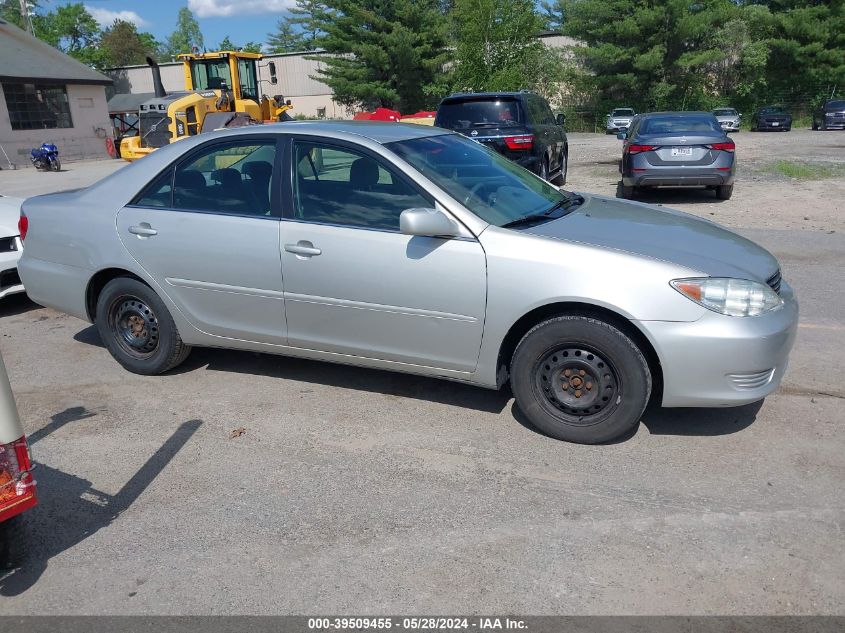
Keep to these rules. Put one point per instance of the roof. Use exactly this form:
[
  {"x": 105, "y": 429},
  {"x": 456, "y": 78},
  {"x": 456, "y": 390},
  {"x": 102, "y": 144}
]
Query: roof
[
  {"x": 378, "y": 131},
  {"x": 486, "y": 95},
  {"x": 677, "y": 113},
  {"x": 29, "y": 59},
  {"x": 126, "y": 102}
]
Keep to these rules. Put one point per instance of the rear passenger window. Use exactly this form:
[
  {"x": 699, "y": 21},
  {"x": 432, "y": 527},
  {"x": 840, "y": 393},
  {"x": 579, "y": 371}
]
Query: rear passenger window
[
  {"x": 231, "y": 178},
  {"x": 157, "y": 193}
]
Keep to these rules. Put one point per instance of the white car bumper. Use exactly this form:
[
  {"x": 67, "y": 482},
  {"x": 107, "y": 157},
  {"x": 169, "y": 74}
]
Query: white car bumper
[{"x": 10, "y": 282}]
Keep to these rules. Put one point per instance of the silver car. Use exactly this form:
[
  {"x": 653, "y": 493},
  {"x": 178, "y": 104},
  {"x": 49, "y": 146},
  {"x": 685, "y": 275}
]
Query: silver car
[
  {"x": 729, "y": 119},
  {"x": 414, "y": 249},
  {"x": 619, "y": 120}
]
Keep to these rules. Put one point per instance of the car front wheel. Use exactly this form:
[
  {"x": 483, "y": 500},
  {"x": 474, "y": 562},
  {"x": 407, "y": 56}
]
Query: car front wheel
[
  {"x": 137, "y": 328},
  {"x": 579, "y": 379},
  {"x": 724, "y": 192}
]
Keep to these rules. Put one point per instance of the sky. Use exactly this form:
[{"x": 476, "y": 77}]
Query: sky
[{"x": 241, "y": 20}]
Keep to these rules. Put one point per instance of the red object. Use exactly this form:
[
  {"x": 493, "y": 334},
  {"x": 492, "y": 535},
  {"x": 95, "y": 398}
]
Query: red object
[
  {"x": 23, "y": 226},
  {"x": 730, "y": 146},
  {"x": 636, "y": 149},
  {"x": 110, "y": 147},
  {"x": 380, "y": 114},
  {"x": 523, "y": 141},
  {"x": 17, "y": 487}
]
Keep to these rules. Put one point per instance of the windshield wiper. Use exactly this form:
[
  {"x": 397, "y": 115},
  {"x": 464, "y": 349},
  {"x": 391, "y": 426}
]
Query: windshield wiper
[{"x": 567, "y": 204}]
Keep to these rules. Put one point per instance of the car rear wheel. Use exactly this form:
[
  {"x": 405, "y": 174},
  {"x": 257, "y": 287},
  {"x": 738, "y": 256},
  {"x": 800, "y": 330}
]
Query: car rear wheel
[
  {"x": 580, "y": 379},
  {"x": 137, "y": 328},
  {"x": 560, "y": 179},
  {"x": 544, "y": 169},
  {"x": 724, "y": 192},
  {"x": 629, "y": 193}
]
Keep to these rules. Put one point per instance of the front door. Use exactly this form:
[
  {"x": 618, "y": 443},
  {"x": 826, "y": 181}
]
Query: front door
[
  {"x": 206, "y": 232},
  {"x": 355, "y": 285}
]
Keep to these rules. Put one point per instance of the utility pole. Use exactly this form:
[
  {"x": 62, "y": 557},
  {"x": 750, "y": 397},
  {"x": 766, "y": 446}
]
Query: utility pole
[{"x": 25, "y": 19}]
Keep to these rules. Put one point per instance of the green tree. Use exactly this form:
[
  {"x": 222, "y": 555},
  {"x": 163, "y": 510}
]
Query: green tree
[
  {"x": 301, "y": 30},
  {"x": 122, "y": 45},
  {"x": 553, "y": 14},
  {"x": 382, "y": 52},
  {"x": 226, "y": 45},
  {"x": 285, "y": 39},
  {"x": 186, "y": 36},
  {"x": 496, "y": 45},
  {"x": 807, "y": 49},
  {"x": 669, "y": 54},
  {"x": 252, "y": 47},
  {"x": 72, "y": 30},
  {"x": 10, "y": 11}
]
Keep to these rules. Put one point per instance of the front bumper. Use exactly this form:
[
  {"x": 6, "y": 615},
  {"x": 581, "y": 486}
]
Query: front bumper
[
  {"x": 834, "y": 123},
  {"x": 774, "y": 125},
  {"x": 722, "y": 361},
  {"x": 10, "y": 282},
  {"x": 613, "y": 128}
]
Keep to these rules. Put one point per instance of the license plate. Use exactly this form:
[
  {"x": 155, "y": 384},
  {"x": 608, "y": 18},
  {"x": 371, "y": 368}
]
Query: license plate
[
  {"x": 775, "y": 124},
  {"x": 681, "y": 151}
]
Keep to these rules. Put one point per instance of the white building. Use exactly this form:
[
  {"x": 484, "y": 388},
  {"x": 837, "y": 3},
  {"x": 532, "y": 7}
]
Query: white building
[{"x": 46, "y": 96}]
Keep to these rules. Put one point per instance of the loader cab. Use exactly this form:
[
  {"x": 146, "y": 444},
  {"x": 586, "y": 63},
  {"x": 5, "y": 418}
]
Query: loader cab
[{"x": 227, "y": 70}]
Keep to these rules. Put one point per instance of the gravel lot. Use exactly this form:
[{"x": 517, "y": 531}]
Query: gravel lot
[{"x": 247, "y": 483}]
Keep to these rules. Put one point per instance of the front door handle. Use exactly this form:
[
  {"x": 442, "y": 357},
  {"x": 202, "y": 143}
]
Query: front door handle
[
  {"x": 303, "y": 248},
  {"x": 143, "y": 230}
]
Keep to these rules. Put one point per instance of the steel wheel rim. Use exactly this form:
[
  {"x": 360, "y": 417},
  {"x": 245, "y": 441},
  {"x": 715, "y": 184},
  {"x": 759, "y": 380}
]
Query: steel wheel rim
[
  {"x": 135, "y": 326},
  {"x": 577, "y": 385}
]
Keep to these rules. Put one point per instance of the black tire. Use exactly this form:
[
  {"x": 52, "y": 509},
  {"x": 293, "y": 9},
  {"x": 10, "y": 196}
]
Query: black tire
[
  {"x": 13, "y": 542},
  {"x": 824, "y": 126},
  {"x": 543, "y": 171},
  {"x": 560, "y": 179},
  {"x": 137, "y": 328},
  {"x": 815, "y": 125},
  {"x": 56, "y": 164},
  {"x": 724, "y": 192},
  {"x": 629, "y": 193},
  {"x": 611, "y": 372}
]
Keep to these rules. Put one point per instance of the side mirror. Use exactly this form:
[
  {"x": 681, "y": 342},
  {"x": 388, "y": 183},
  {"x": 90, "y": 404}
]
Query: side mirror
[
  {"x": 273, "y": 79},
  {"x": 622, "y": 136},
  {"x": 561, "y": 118},
  {"x": 427, "y": 223}
]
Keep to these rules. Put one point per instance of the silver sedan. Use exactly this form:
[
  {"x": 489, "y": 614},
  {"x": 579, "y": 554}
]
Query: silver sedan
[{"x": 414, "y": 249}]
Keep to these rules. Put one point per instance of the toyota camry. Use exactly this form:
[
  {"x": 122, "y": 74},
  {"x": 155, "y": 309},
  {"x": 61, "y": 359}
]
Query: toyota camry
[{"x": 414, "y": 249}]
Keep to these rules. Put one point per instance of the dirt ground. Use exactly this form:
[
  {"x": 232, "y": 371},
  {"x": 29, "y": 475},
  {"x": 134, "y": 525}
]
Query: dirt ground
[{"x": 763, "y": 198}]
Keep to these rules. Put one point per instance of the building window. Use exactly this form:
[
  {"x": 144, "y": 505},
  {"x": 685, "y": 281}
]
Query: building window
[{"x": 37, "y": 106}]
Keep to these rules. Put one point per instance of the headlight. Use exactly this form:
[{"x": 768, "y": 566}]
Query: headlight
[{"x": 732, "y": 297}]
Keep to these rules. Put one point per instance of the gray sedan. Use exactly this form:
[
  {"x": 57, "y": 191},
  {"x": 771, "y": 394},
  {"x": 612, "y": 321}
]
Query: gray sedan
[
  {"x": 414, "y": 249},
  {"x": 677, "y": 149}
]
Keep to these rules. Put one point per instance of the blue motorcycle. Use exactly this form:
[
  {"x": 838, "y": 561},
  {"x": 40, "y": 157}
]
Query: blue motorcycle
[{"x": 46, "y": 157}]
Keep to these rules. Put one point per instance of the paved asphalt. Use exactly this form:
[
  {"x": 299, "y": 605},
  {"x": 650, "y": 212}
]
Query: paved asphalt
[{"x": 359, "y": 491}]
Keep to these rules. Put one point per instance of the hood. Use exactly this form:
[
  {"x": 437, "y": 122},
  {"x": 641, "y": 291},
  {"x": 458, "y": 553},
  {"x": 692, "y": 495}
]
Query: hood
[
  {"x": 10, "y": 212},
  {"x": 662, "y": 234},
  {"x": 727, "y": 117}
]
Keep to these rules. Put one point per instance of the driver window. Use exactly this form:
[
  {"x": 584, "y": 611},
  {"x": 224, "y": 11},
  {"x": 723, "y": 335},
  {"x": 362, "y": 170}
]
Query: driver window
[{"x": 338, "y": 186}]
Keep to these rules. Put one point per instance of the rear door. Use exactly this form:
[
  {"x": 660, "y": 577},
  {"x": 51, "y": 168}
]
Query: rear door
[{"x": 207, "y": 232}]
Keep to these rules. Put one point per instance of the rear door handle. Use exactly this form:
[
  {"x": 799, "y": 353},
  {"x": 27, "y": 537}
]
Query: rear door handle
[
  {"x": 143, "y": 230},
  {"x": 303, "y": 248}
]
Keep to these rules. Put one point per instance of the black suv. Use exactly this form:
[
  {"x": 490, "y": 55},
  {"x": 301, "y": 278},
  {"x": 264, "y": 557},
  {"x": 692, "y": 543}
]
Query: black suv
[
  {"x": 518, "y": 125},
  {"x": 830, "y": 115}
]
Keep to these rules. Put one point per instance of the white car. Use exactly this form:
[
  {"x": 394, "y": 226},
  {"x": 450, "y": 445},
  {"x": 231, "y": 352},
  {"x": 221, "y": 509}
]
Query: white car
[
  {"x": 619, "y": 120},
  {"x": 10, "y": 246}
]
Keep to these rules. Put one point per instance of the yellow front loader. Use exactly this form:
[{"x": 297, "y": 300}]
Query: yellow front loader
[{"x": 221, "y": 90}]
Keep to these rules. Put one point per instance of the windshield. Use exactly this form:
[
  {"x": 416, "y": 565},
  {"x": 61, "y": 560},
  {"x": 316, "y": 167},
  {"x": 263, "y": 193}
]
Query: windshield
[
  {"x": 211, "y": 75},
  {"x": 463, "y": 114},
  {"x": 773, "y": 110},
  {"x": 835, "y": 105},
  {"x": 724, "y": 112},
  {"x": 492, "y": 187},
  {"x": 622, "y": 112},
  {"x": 679, "y": 124}
]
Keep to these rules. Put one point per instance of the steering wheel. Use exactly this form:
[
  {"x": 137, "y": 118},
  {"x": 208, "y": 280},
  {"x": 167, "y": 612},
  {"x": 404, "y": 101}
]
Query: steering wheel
[{"x": 473, "y": 192}]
